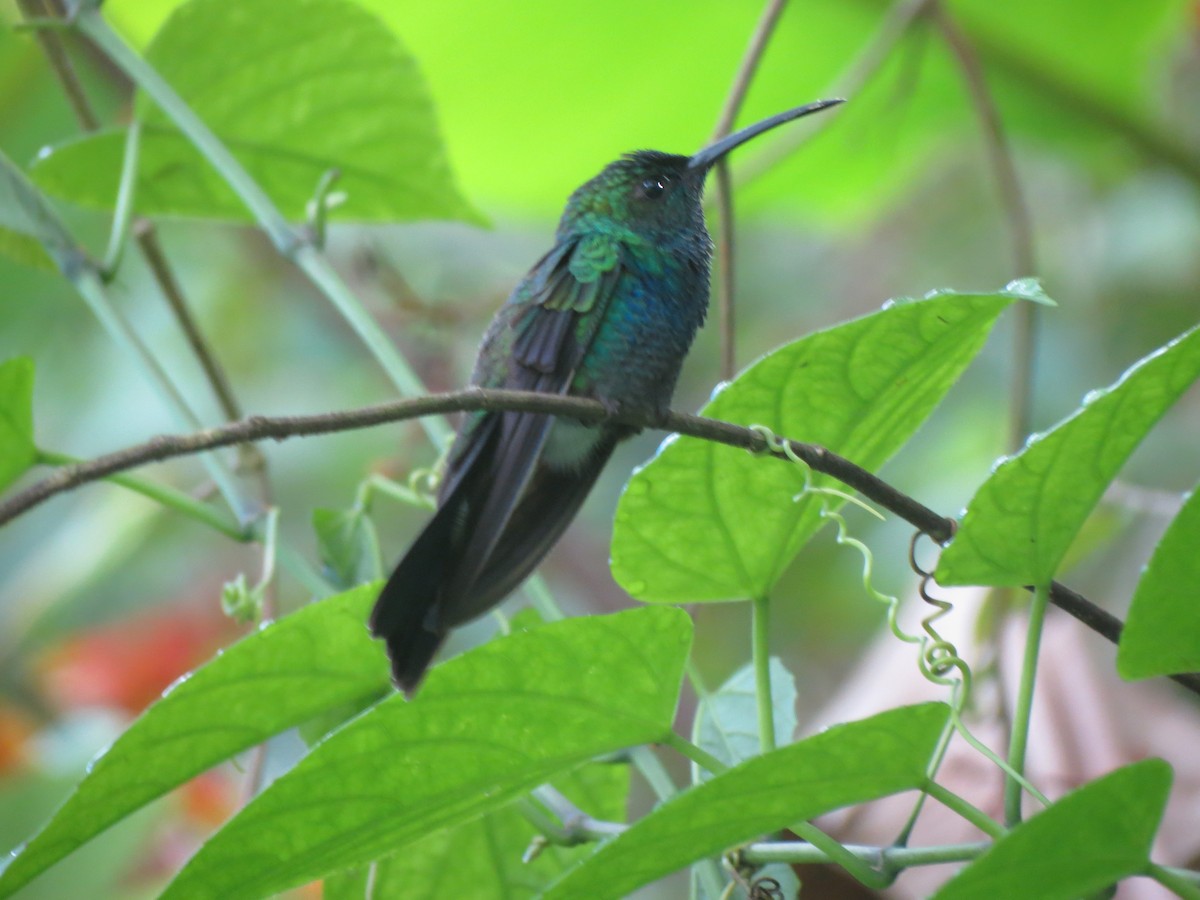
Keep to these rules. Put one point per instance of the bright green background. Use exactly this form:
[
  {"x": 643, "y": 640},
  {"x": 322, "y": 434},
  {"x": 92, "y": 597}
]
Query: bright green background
[{"x": 894, "y": 198}]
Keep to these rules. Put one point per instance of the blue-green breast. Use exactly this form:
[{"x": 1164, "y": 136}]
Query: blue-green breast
[{"x": 648, "y": 324}]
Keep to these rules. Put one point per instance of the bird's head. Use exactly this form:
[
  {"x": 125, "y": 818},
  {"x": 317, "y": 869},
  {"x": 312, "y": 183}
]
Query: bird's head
[{"x": 655, "y": 195}]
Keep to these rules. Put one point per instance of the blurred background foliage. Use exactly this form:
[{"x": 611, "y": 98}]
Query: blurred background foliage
[{"x": 105, "y": 598}]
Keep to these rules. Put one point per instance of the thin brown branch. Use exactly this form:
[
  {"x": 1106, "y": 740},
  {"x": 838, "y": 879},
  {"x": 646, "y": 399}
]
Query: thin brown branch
[
  {"x": 147, "y": 239},
  {"x": 900, "y": 17},
  {"x": 250, "y": 458},
  {"x": 750, "y": 60},
  {"x": 726, "y": 312},
  {"x": 1000, "y": 158},
  {"x": 1016, "y": 210},
  {"x": 724, "y": 189},
  {"x": 257, "y": 428},
  {"x": 60, "y": 63}
]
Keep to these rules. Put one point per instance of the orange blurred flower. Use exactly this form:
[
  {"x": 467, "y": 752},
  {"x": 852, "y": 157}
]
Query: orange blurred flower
[
  {"x": 127, "y": 665},
  {"x": 15, "y": 731}
]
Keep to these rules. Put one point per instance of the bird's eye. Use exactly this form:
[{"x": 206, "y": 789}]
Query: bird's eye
[{"x": 653, "y": 188}]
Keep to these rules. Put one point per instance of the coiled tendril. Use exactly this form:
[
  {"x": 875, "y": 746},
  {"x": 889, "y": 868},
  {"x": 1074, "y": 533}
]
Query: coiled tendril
[{"x": 938, "y": 658}]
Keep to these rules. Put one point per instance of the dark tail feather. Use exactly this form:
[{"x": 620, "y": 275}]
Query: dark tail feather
[
  {"x": 402, "y": 612},
  {"x": 443, "y": 581},
  {"x": 548, "y": 506}
]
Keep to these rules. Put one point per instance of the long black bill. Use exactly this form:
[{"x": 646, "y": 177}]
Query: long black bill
[{"x": 714, "y": 151}]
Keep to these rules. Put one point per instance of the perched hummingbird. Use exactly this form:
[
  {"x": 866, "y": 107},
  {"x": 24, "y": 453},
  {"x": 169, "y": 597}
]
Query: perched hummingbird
[{"x": 609, "y": 313}]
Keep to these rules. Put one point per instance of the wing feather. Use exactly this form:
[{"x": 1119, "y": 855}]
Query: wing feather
[{"x": 553, "y": 331}]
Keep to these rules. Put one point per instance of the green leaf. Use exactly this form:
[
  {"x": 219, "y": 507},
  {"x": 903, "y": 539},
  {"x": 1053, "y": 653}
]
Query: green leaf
[
  {"x": 17, "y": 451},
  {"x": 487, "y": 726},
  {"x": 294, "y": 88},
  {"x": 1162, "y": 633},
  {"x": 702, "y": 521},
  {"x": 348, "y": 546},
  {"x": 29, "y": 797},
  {"x": 1022, "y": 520},
  {"x": 847, "y": 764},
  {"x": 1084, "y": 842},
  {"x": 726, "y": 723},
  {"x": 481, "y": 859},
  {"x": 1062, "y": 73},
  {"x": 272, "y": 680}
]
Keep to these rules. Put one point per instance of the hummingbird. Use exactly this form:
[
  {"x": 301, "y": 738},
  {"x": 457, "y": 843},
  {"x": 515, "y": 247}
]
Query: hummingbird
[{"x": 609, "y": 313}]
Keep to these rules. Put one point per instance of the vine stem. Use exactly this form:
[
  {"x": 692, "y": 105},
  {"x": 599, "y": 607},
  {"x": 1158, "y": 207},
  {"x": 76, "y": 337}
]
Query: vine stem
[
  {"x": 1183, "y": 883},
  {"x": 164, "y": 495},
  {"x": 695, "y": 753},
  {"x": 968, "y": 811},
  {"x": 842, "y": 856},
  {"x": 761, "y": 657},
  {"x": 1019, "y": 739},
  {"x": 90, "y": 286},
  {"x": 885, "y": 858}
]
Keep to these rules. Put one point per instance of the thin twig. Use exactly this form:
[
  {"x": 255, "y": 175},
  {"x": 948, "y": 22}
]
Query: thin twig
[
  {"x": 250, "y": 458},
  {"x": 1157, "y": 141},
  {"x": 750, "y": 60},
  {"x": 726, "y": 313},
  {"x": 576, "y": 826},
  {"x": 1012, "y": 198},
  {"x": 724, "y": 188},
  {"x": 257, "y": 428},
  {"x": 772, "y": 151},
  {"x": 60, "y": 63},
  {"x": 143, "y": 231},
  {"x": 1016, "y": 210}
]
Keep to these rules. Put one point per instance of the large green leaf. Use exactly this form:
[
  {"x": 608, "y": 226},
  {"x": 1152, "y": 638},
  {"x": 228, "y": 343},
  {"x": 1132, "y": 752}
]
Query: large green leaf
[
  {"x": 17, "y": 451},
  {"x": 1022, "y": 520},
  {"x": 294, "y": 88},
  {"x": 278, "y": 677},
  {"x": 1062, "y": 72},
  {"x": 1162, "y": 634},
  {"x": 1089, "y": 839},
  {"x": 703, "y": 521},
  {"x": 847, "y": 764},
  {"x": 482, "y": 859},
  {"x": 487, "y": 726}
]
